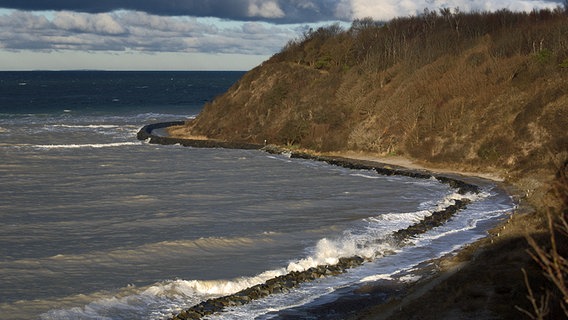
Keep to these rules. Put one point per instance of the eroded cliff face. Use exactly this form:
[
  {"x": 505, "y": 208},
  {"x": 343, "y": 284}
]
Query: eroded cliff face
[
  {"x": 485, "y": 99},
  {"x": 282, "y": 103}
]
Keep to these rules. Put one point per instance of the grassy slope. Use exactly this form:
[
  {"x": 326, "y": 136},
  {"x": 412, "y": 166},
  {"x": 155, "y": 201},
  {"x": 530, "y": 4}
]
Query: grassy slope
[{"x": 482, "y": 92}]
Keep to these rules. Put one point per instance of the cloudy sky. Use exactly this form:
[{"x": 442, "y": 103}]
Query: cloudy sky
[{"x": 184, "y": 34}]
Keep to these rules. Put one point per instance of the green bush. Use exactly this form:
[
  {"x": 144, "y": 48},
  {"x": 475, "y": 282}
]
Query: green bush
[{"x": 544, "y": 56}]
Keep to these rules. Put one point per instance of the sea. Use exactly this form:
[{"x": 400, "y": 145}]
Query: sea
[{"x": 95, "y": 224}]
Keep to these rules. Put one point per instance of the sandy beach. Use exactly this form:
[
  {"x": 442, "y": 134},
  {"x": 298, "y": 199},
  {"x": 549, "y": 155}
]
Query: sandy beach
[{"x": 415, "y": 165}]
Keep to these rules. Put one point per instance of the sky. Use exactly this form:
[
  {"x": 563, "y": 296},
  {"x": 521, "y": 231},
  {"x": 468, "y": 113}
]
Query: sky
[{"x": 186, "y": 34}]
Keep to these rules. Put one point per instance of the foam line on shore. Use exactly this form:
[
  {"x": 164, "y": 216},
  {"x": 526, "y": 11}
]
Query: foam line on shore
[{"x": 305, "y": 271}]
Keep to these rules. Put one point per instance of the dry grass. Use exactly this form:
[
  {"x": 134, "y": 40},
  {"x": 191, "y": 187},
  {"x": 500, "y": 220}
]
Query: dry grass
[
  {"x": 184, "y": 132},
  {"x": 492, "y": 95},
  {"x": 552, "y": 257}
]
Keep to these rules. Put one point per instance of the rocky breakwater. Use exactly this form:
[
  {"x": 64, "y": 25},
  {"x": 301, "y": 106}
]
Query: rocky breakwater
[
  {"x": 280, "y": 284},
  {"x": 287, "y": 282},
  {"x": 146, "y": 133}
]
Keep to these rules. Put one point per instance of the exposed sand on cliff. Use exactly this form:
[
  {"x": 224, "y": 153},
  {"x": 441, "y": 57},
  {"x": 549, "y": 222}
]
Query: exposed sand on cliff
[{"x": 411, "y": 164}]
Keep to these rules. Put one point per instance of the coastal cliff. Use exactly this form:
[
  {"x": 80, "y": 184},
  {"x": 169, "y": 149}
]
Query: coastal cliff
[{"x": 482, "y": 92}]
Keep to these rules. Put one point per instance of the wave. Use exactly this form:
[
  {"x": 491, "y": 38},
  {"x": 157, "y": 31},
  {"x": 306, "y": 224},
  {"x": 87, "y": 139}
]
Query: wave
[
  {"x": 82, "y": 116},
  {"x": 88, "y": 126},
  {"x": 367, "y": 175},
  {"x": 157, "y": 301},
  {"x": 160, "y": 299},
  {"x": 80, "y": 146},
  {"x": 69, "y": 146},
  {"x": 165, "y": 115},
  {"x": 368, "y": 239},
  {"x": 371, "y": 241},
  {"x": 398, "y": 275},
  {"x": 157, "y": 251}
]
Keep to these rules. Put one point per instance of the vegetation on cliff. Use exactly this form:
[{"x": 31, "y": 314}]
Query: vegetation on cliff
[{"x": 482, "y": 91}]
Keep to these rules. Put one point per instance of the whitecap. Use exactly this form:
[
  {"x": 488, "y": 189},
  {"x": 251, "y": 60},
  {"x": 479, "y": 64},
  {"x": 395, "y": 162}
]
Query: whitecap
[
  {"x": 367, "y": 176},
  {"x": 89, "y": 126},
  {"x": 79, "y": 146}
]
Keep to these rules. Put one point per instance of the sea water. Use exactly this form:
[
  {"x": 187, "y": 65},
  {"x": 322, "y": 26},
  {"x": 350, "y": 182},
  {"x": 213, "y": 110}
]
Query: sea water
[{"x": 95, "y": 224}]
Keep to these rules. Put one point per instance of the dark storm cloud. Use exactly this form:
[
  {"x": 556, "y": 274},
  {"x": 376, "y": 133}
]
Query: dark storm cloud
[
  {"x": 275, "y": 11},
  {"x": 164, "y": 7},
  {"x": 279, "y": 11},
  {"x": 256, "y": 27}
]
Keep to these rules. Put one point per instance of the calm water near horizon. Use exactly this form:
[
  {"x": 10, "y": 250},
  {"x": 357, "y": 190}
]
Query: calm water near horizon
[{"x": 95, "y": 224}]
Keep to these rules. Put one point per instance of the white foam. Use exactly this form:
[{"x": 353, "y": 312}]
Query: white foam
[
  {"x": 214, "y": 288},
  {"x": 368, "y": 243},
  {"x": 377, "y": 277},
  {"x": 383, "y": 225},
  {"x": 401, "y": 275},
  {"x": 367, "y": 176},
  {"x": 280, "y": 158},
  {"x": 176, "y": 294},
  {"x": 170, "y": 296},
  {"x": 78, "y": 146},
  {"x": 163, "y": 298},
  {"x": 89, "y": 126},
  {"x": 409, "y": 278},
  {"x": 405, "y": 217},
  {"x": 468, "y": 221},
  {"x": 326, "y": 253}
]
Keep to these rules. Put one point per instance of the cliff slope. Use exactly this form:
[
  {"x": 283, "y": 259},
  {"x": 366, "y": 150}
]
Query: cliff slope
[
  {"x": 483, "y": 90},
  {"x": 478, "y": 92}
]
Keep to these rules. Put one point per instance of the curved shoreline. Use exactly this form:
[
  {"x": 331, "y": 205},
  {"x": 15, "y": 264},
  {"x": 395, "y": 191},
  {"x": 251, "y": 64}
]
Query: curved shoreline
[
  {"x": 145, "y": 133},
  {"x": 288, "y": 281}
]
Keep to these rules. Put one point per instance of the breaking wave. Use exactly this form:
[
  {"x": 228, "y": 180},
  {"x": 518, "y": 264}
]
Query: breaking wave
[{"x": 369, "y": 239}]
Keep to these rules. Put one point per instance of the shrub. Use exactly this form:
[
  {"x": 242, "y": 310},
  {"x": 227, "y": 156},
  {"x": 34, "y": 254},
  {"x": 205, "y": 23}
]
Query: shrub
[{"x": 544, "y": 56}]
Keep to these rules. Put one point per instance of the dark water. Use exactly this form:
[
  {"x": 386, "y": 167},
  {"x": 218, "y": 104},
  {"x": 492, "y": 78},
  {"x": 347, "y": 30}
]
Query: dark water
[
  {"x": 97, "y": 225},
  {"x": 116, "y": 92}
]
